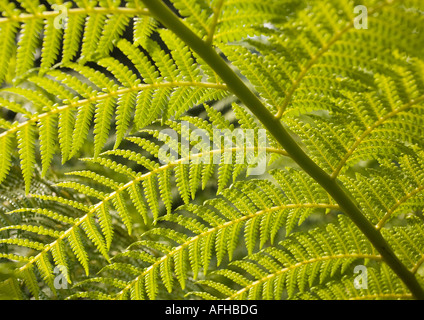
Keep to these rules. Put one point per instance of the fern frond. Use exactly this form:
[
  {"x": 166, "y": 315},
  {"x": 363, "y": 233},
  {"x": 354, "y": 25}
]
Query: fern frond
[
  {"x": 380, "y": 198},
  {"x": 5, "y": 156},
  {"x": 407, "y": 243},
  {"x": 26, "y": 45},
  {"x": 74, "y": 26},
  {"x": 314, "y": 59},
  {"x": 26, "y": 142},
  {"x": 98, "y": 100},
  {"x": 372, "y": 128},
  {"x": 382, "y": 285},
  {"x": 135, "y": 218},
  {"x": 247, "y": 206},
  {"x": 236, "y": 20},
  {"x": 34, "y": 227},
  {"x": 69, "y": 24},
  {"x": 300, "y": 262},
  {"x": 144, "y": 190}
]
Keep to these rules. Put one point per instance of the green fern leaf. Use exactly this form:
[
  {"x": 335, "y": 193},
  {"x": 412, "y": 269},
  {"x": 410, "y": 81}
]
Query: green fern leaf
[
  {"x": 342, "y": 109},
  {"x": 103, "y": 116},
  {"x": 94, "y": 235},
  {"x": 92, "y": 34},
  {"x": 27, "y": 45},
  {"x": 74, "y": 26},
  {"x": 77, "y": 246},
  {"x": 26, "y": 141},
  {"x": 51, "y": 44}
]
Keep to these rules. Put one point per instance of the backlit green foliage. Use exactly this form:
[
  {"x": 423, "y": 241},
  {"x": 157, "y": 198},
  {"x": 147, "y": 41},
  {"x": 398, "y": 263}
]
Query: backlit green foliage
[{"x": 83, "y": 188}]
